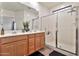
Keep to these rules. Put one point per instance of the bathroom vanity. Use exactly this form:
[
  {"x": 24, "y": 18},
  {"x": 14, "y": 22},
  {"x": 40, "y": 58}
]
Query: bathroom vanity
[{"x": 20, "y": 44}]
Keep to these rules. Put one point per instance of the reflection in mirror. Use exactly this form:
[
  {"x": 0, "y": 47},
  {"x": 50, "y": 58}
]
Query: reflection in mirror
[
  {"x": 18, "y": 12},
  {"x": 7, "y": 23}
]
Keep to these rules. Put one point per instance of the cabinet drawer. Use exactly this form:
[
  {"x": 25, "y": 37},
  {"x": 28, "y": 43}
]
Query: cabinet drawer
[
  {"x": 40, "y": 34},
  {"x": 31, "y": 35},
  {"x": 21, "y": 42},
  {"x": 31, "y": 41},
  {"x": 6, "y": 40},
  {"x": 12, "y": 39}
]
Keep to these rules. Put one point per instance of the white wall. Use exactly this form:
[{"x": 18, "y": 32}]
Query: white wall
[{"x": 42, "y": 11}]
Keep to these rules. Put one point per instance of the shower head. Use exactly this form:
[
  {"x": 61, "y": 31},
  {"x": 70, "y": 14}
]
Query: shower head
[{"x": 73, "y": 9}]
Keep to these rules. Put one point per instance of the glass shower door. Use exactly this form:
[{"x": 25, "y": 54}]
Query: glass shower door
[
  {"x": 49, "y": 25},
  {"x": 66, "y": 38}
]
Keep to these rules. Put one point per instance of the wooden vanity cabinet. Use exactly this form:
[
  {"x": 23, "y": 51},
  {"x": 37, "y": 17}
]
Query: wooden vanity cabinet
[
  {"x": 21, "y": 45},
  {"x": 14, "y": 46},
  {"x": 14, "y": 49}
]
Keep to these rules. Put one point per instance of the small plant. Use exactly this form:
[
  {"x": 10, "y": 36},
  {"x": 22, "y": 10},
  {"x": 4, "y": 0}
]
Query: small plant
[{"x": 26, "y": 26}]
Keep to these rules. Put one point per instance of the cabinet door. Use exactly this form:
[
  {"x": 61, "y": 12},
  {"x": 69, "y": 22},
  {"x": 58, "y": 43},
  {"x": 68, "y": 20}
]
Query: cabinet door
[
  {"x": 21, "y": 48},
  {"x": 37, "y": 42},
  {"x": 42, "y": 38},
  {"x": 42, "y": 42},
  {"x": 7, "y": 50},
  {"x": 31, "y": 44},
  {"x": 66, "y": 35}
]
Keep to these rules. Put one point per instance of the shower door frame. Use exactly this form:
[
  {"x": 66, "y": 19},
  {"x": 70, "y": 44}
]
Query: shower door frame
[{"x": 76, "y": 45}]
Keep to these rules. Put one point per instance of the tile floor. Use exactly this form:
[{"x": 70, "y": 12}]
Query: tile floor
[{"x": 45, "y": 51}]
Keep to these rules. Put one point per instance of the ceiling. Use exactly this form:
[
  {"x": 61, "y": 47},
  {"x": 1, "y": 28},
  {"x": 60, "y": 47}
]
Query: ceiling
[
  {"x": 50, "y": 5},
  {"x": 16, "y": 6},
  {"x": 12, "y": 6}
]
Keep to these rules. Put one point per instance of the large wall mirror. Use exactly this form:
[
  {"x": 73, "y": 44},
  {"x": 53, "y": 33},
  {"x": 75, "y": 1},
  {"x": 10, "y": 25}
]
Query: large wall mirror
[{"x": 15, "y": 11}]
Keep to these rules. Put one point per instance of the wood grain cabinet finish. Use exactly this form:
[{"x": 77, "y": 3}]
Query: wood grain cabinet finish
[
  {"x": 14, "y": 46},
  {"x": 21, "y": 48},
  {"x": 22, "y": 44},
  {"x": 37, "y": 43},
  {"x": 31, "y": 43},
  {"x": 40, "y": 41},
  {"x": 7, "y": 50}
]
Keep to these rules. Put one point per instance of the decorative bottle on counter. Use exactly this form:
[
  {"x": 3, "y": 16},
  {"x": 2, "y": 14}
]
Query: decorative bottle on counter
[
  {"x": 14, "y": 26},
  {"x": 2, "y": 31}
]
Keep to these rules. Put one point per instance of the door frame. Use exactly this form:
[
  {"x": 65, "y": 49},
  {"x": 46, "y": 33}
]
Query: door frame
[{"x": 76, "y": 45}]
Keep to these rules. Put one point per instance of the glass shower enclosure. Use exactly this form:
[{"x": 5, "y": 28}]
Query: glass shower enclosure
[{"x": 60, "y": 28}]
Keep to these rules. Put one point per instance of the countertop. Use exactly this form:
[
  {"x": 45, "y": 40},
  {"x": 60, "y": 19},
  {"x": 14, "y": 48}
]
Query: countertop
[{"x": 15, "y": 34}]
